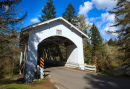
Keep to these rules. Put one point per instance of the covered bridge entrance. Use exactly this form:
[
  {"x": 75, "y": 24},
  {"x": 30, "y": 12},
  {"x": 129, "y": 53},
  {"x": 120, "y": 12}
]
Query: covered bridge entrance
[{"x": 45, "y": 40}]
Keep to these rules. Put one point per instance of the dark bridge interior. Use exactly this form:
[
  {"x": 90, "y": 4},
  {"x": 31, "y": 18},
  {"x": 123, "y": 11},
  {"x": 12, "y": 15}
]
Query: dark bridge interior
[
  {"x": 59, "y": 40},
  {"x": 53, "y": 48}
]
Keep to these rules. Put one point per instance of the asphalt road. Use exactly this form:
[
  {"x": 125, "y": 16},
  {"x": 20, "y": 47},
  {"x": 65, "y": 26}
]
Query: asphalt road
[{"x": 66, "y": 78}]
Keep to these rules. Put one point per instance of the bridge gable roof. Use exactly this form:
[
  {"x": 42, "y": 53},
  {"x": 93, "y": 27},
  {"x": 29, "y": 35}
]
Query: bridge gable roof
[{"x": 52, "y": 20}]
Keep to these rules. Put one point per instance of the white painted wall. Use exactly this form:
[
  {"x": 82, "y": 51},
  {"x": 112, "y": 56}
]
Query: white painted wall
[
  {"x": 72, "y": 54},
  {"x": 40, "y": 33}
]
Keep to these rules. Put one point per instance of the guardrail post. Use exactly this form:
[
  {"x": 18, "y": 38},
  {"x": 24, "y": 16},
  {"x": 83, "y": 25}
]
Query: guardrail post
[
  {"x": 41, "y": 73},
  {"x": 90, "y": 67}
]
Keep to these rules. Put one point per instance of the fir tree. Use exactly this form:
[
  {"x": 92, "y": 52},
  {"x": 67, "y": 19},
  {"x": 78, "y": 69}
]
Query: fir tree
[
  {"x": 122, "y": 19},
  {"x": 48, "y": 11},
  {"x": 70, "y": 14},
  {"x": 111, "y": 42},
  {"x": 96, "y": 39},
  {"x": 87, "y": 47}
]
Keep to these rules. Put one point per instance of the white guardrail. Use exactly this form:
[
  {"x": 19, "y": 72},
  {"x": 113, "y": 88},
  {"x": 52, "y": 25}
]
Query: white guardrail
[{"x": 90, "y": 67}]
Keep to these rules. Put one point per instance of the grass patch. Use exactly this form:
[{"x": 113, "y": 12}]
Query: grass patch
[
  {"x": 39, "y": 80},
  {"x": 108, "y": 74},
  {"x": 16, "y": 86},
  {"x": 103, "y": 73},
  {"x": 17, "y": 82},
  {"x": 11, "y": 76}
]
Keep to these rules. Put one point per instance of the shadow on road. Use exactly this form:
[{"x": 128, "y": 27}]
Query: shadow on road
[
  {"x": 105, "y": 82},
  {"x": 49, "y": 65}
]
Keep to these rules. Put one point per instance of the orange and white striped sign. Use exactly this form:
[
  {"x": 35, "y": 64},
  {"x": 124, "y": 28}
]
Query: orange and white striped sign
[
  {"x": 95, "y": 61},
  {"x": 42, "y": 62}
]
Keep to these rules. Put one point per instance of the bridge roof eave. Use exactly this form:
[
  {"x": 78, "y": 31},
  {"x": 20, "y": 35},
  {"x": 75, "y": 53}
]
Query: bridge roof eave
[{"x": 51, "y": 20}]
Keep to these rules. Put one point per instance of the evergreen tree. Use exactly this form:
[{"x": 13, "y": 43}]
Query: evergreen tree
[
  {"x": 70, "y": 14},
  {"x": 9, "y": 24},
  {"x": 111, "y": 42},
  {"x": 48, "y": 11},
  {"x": 115, "y": 41},
  {"x": 87, "y": 47},
  {"x": 122, "y": 18},
  {"x": 96, "y": 39}
]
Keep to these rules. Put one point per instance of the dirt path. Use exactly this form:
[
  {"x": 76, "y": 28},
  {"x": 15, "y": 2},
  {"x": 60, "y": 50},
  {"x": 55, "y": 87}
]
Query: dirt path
[{"x": 43, "y": 84}]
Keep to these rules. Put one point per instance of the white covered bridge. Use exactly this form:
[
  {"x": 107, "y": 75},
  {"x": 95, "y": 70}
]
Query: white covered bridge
[{"x": 43, "y": 40}]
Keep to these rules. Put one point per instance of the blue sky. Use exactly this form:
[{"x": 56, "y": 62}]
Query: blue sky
[{"x": 95, "y": 12}]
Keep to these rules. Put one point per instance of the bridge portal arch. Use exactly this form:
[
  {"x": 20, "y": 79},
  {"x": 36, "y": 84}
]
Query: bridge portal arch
[
  {"x": 50, "y": 48},
  {"x": 55, "y": 31}
]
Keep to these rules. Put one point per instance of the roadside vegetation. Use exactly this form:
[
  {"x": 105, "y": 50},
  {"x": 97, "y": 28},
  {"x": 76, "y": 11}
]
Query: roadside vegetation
[{"x": 10, "y": 23}]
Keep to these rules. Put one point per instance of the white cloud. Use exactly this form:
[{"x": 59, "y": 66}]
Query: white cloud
[
  {"x": 93, "y": 19},
  {"x": 108, "y": 27},
  {"x": 39, "y": 15},
  {"x": 105, "y": 4},
  {"x": 84, "y": 9},
  {"x": 108, "y": 17},
  {"x": 111, "y": 18},
  {"x": 99, "y": 24},
  {"x": 35, "y": 20},
  {"x": 104, "y": 16},
  {"x": 105, "y": 21}
]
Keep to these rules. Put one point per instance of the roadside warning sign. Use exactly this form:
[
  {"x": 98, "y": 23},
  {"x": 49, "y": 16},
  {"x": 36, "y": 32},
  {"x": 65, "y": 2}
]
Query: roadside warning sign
[{"x": 42, "y": 62}]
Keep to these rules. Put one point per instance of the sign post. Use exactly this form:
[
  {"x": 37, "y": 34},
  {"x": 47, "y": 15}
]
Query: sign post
[
  {"x": 95, "y": 63},
  {"x": 95, "y": 60}
]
